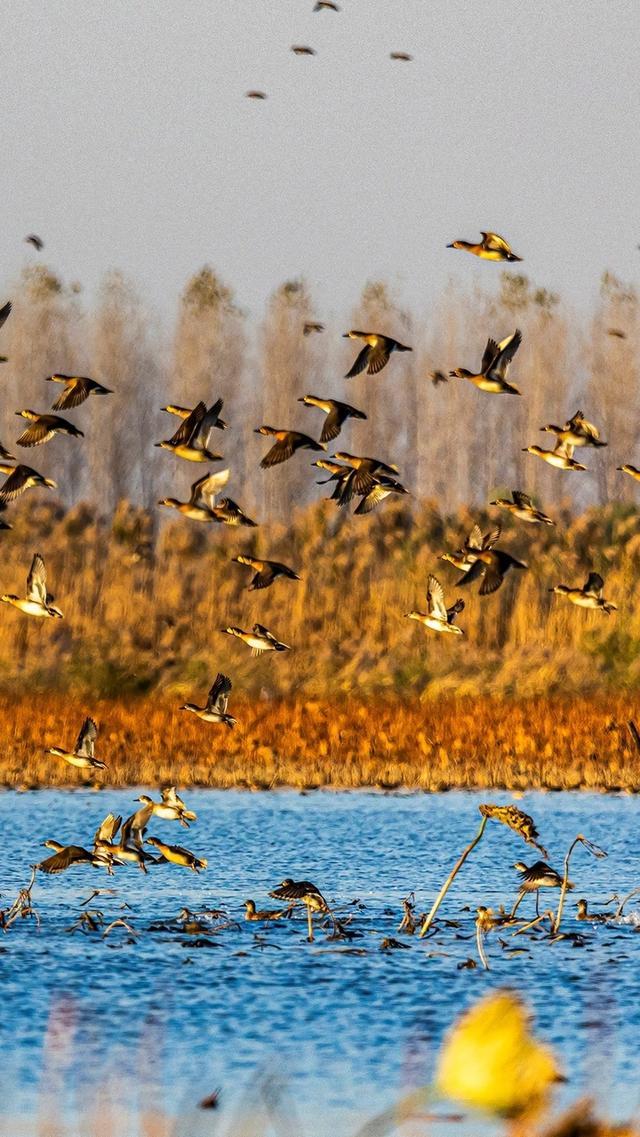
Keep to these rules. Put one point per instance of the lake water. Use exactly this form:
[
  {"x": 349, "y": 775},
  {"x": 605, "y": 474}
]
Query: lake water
[{"x": 343, "y": 1028}]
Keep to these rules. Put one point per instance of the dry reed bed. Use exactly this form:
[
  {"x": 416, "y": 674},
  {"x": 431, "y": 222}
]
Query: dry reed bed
[{"x": 432, "y": 745}]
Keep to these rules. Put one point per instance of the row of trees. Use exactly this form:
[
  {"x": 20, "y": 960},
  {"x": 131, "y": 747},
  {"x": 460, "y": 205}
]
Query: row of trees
[{"x": 451, "y": 442}]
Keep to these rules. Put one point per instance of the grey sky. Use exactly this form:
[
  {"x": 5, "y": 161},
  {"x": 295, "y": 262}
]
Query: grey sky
[{"x": 127, "y": 142}]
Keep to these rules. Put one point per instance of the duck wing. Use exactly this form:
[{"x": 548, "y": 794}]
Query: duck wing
[
  {"x": 360, "y": 363},
  {"x": 71, "y": 855},
  {"x": 495, "y": 241},
  {"x": 564, "y": 449},
  {"x": 453, "y": 611},
  {"x": 489, "y": 356},
  {"x": 37, "y": 581},
  {"x": 474, "y": 540},
  {"x": 507, "y": 348},
  {"x": 37, "y": 432},
  {"x": 435, "y": 599},
  {"x": 594, "y": 583},
  {"x": 107, "y": 829},
  {"x": 189, "y": 426},
  {"x": 75, "y": 392},
  {"x": 206, "y": 489},
  {"x": 86, "y": 739},
  {"x": 280, "y": 451},
  {"x": 522, "y": 500},
  {"x": 219, "y": 694},
  {"x": 4, "y": 312},
  {"x": 490, "y": 538}
]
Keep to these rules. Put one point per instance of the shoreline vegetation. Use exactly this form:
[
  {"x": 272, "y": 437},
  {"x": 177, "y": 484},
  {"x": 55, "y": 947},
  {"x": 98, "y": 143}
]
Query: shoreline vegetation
[{"x": 435, "y": 745}]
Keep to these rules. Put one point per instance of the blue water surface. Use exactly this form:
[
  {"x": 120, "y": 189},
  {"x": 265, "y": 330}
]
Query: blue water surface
[{"x": 341, "y": 1028}]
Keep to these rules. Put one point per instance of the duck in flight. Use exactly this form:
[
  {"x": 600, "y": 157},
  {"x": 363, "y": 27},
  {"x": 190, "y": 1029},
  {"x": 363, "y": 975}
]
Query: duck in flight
[
  {"x": 214, "y": 413},
  {"x": 202, "y": 499},
  {"x": 265, "y": 571},
  {"x": 65, "y": 856},
  {"x": 38, "y": 602},
  {"x": 256, "y": 95},
  {"x": 382, "y": 488},
  {"x": 491, "y": 566},
  {"x": 326, "y": 5},
  {"x": 83, "y": 754},
  {"x": 228, "y": 512},
  {"x": 45, "y": 427},
  {"x": 286, "y": 444},
  {"x": 475, "y": 544},
  {"x": 438, "y": 617},
  {"x": 403, "y": 56},
  {"x": 361, "y": 478},
  {"x": 492, "y": 376},
  {"x": 259, "y": 639},
  {"x": 375, "y": 354},
  {"x": 303, "y": 49},
  {"x": 215, "y": 708},
  {"x": 21, "y": 479},
  {"x": 589, "y": 596},
  {"x": 577, "y": 431},
  {"x": 561, "y": 456},
  {"x": 632, "y": 471},
  {"x": 35, "y": 240},
  {"x": 523, "y": 508},
  {"x": 191, "y": 439},
  {"x": 493, "y": 247},
  {"x": 534, "y": 877},
  {"x": 176, "y": 855},
  {"x": 77, "y": 389},
  {"x": 310, "y": 326},
  {"x": 337, "y": 414}
]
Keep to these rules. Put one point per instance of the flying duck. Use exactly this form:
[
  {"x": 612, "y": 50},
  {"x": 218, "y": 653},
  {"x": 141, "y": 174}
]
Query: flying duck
[
  {"x": 492, "y": 376},
  {"x": 337, "y": 413},
  {"x": 577, "y": 431},
  {"x": 375, "y": 354},
  {"x": 201, "y": 503},
  {"x": 259, "y": 639},
  {"x": 561, "y": 456},
  {"x": 77, "y": 388},
  {"x": 215, "y": 709},
  {"x": 382, "y": 488},
  {"x": 214, "y": 413},
  {"x": 589, "y": 596},
  {"x": 286, "y": 444},
  {"x": 438, "y": 617},
  {"x": 492, "y": 565},
  {"x": 265, "y": 571},
  {"x": 474, "y": 544},
  {"x": 176, "y": 855},
  {"x": 523, "y": 508},
  {"x": 191, "y": 439},
  {"x": 23, "y": 478},
  {"x": 45, "y": 427},
  {"x": 38, "y": 601},
  {"x": 491, "y": 248},
  {"x": 82, "y": 754}
]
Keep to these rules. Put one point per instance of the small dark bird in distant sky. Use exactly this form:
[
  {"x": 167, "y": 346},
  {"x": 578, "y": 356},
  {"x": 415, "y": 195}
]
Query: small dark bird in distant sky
[
  {"x": 34, "y": 240},
  {"x": 437, "y": 377},
  {"x": 329, "y": 5},
  {"x": 255, "y": 95},
  {"x": 311, "y": 326},
  {"x": 212, "y": 1101},
  {"x": 302, "y": 49},
  {"x": 617, "y": 332},
  {"x": 403, "y": 55},
  {"x": 5, "y": 312}
]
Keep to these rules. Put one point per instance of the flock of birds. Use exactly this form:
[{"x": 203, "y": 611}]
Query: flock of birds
[{"x": 305, "y": 49}]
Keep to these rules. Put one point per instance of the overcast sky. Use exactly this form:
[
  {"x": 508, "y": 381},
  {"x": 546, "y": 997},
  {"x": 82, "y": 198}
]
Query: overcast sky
[{"x": 127, "y": 142}]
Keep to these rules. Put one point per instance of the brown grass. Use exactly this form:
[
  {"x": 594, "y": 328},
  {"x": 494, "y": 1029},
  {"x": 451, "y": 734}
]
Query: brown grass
[{"x": 436, "y": 745}]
